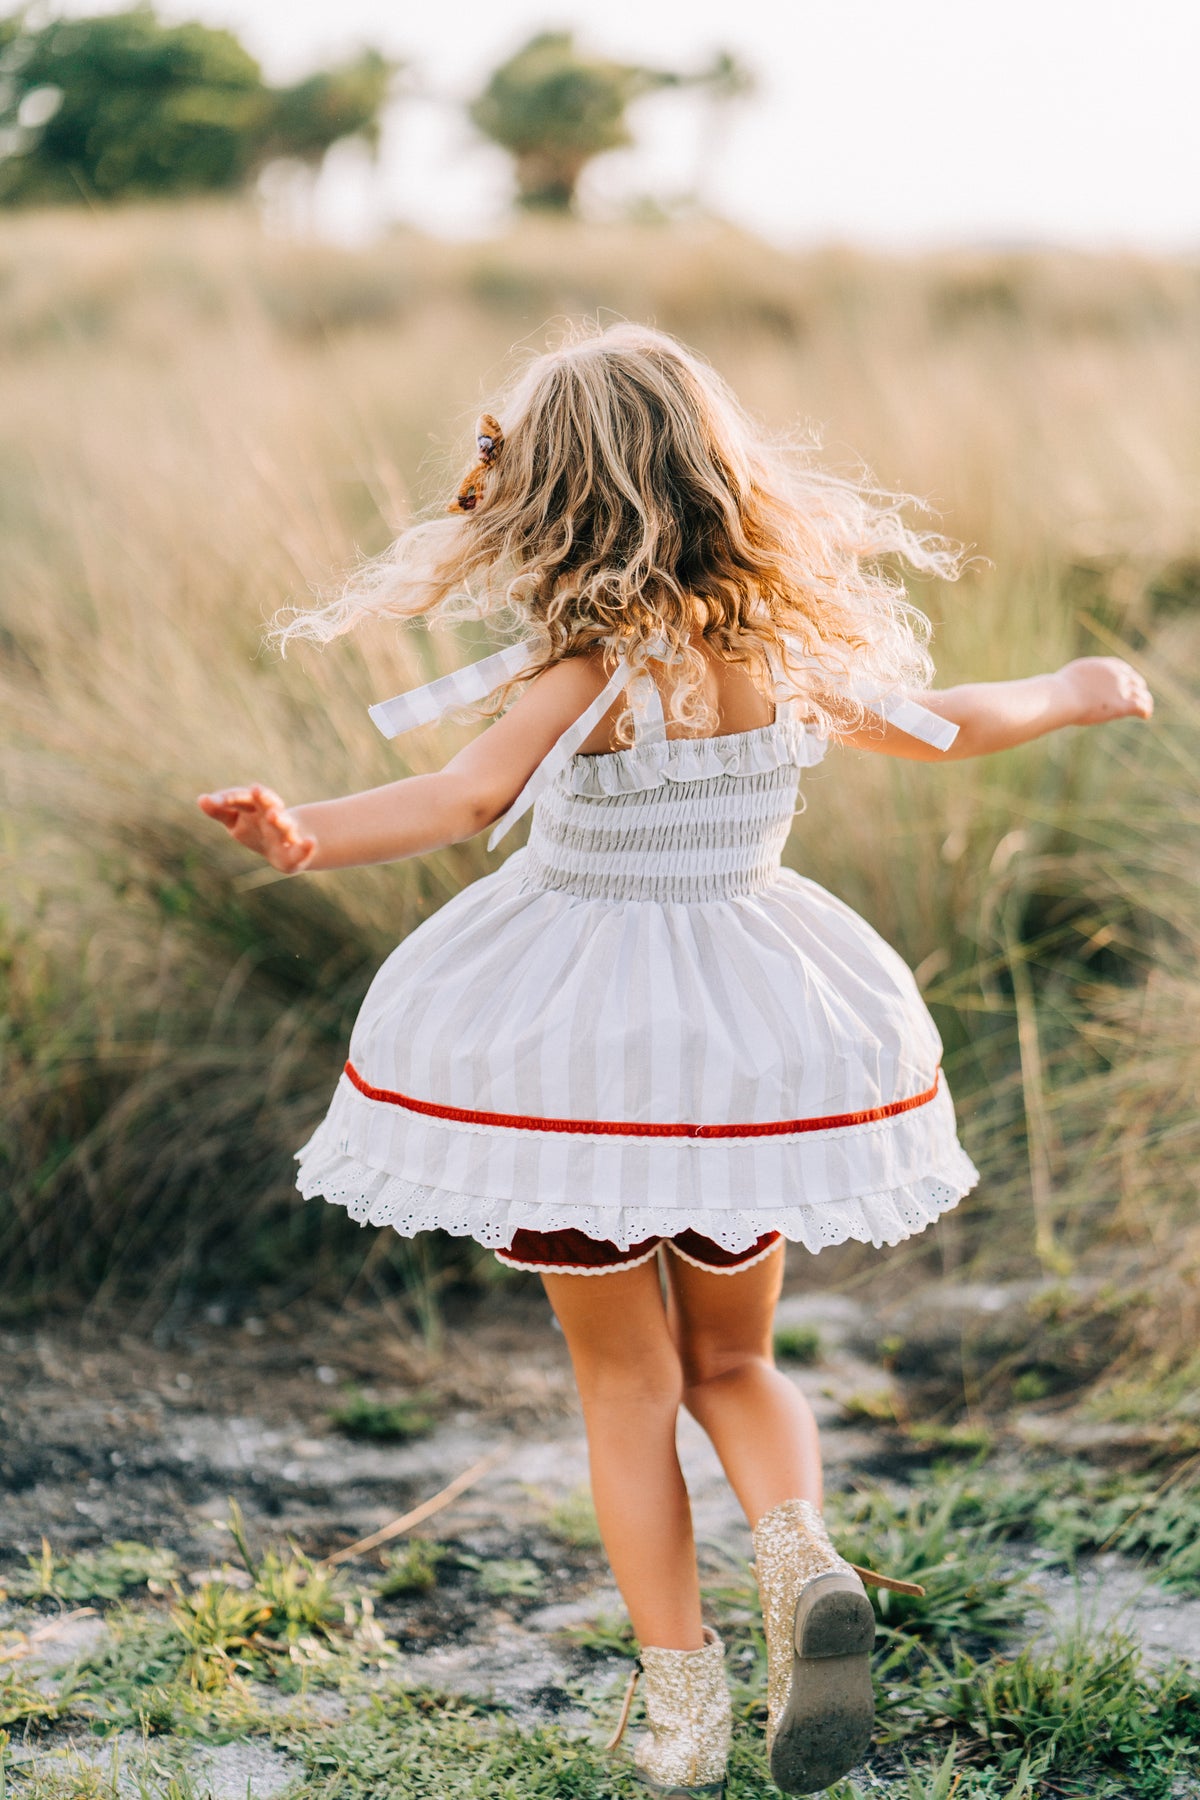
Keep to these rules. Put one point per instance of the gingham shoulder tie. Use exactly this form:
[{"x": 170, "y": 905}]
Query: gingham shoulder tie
[
  {"x": 463, "y": 687},
  {"x": 893, "y": 707}
]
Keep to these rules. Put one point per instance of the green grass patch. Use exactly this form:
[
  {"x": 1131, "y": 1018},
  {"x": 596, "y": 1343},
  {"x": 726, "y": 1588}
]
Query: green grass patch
[
  {"x": 133, "y": 1672},
  {"x": 798, "y": 1344},
  {"x": 1157, "y": 1524},
  {"x": 572, "y": 1520},
  {"x": 506, "y": 1578},
  {"x": 65, "y": 1775},
  {"x": 944, "y": 1777},
  {"x": 606, "y": 1634},
  {"x": 1088, "y": 1716},
  {"x": 1161, "y": 1387},
  {"x": 963, "y": 1439},
  {"x": 411, "y": 1570},
  {"x": 104, "y": 1574},
  {"x": 295, "y": 1623},
  {"x": 1072, "y": 1509},
  {"x": 921, "y": 1538},
  {"x": 411, "y": 1745},
  {"x": 360, "y": 1415},
  {"x": 876, "y": 1406},
  {"x": 24, "y": 1704},
  {"x": 294, "y": 1613}
]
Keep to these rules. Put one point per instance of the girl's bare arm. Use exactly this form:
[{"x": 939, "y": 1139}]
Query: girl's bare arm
[
  {"x": 421, "y": 812},
  {"x": 997, "y": 715}
]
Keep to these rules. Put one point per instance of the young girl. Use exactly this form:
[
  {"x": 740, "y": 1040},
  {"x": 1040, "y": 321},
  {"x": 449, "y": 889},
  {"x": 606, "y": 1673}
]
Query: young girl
[{"x": 642, "y": 1054}]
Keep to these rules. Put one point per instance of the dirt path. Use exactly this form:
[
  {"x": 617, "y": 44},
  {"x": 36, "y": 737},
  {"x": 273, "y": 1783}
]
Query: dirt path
[{"x": 113, "y": 1438}]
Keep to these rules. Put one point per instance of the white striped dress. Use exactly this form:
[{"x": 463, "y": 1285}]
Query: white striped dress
[{"x": 642, "y": 1023}]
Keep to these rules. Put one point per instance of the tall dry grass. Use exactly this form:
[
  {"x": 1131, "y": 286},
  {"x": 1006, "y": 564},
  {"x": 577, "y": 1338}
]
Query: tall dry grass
[{"x": 200, "y": 423}]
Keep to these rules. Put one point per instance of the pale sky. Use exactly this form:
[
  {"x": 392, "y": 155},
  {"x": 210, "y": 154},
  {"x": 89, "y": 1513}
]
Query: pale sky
[{"x": 888, "y": 122}]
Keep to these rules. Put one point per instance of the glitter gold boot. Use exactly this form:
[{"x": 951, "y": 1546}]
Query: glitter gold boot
[
  {"x": 683, "y": 1752},
  {"x": 819, "y": 1628}
]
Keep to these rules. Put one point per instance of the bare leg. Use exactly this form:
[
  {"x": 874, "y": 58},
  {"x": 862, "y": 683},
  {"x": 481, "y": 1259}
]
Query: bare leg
[
  {"x": 762, "y": 1429},
  {"x": 628, "y": 1375}
]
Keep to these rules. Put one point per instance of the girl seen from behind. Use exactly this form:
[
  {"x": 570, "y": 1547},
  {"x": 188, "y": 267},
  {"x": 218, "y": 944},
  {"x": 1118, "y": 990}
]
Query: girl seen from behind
[{"x": 642, "y": 1055}]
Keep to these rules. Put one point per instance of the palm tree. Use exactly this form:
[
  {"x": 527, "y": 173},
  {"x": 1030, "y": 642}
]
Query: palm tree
[{"x": 554, "y": 108}]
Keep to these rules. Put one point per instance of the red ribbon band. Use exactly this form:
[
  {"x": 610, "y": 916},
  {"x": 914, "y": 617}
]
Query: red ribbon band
[{"x": 628, "y": 1128}]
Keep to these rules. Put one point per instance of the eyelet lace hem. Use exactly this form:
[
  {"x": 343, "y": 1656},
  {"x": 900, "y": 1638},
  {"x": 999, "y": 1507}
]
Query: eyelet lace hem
[{"x": 375, "y": 1197}]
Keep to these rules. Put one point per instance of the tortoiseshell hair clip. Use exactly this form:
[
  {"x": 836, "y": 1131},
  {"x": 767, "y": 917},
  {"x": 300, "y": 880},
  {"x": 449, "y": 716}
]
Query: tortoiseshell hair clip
[{"x": 489, "y": 440}]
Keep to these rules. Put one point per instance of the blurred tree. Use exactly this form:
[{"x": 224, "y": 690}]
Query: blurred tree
[
  {"x": 124, "y": 106},
  {"x": 331, "y": 105},
  {"x": 554, "y": 108}
]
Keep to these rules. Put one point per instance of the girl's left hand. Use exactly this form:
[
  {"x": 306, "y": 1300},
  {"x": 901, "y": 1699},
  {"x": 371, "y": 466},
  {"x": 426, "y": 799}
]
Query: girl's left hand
[
  {"x": 257, "y": 818},
  {"x": 1102, "y": 688}
]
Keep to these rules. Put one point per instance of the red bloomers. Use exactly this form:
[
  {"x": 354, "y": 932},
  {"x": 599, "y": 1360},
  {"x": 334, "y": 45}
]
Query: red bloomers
[{"x": 572, "y": 1252}]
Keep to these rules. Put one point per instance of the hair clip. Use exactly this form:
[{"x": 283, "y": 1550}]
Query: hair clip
[{"x": 489, "y": 440}]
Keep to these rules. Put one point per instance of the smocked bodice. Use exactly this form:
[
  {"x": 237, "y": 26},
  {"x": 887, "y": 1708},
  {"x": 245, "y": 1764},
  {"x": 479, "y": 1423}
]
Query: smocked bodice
[
  {"x": 686, "y": 820},
  {"x": 669, "y": 818}
]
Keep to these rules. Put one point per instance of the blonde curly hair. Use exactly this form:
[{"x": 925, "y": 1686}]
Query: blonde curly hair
[{"x": 634, "y": 504}]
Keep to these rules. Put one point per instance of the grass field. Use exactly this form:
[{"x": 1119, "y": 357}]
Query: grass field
[{"x": 201, "y": 423}]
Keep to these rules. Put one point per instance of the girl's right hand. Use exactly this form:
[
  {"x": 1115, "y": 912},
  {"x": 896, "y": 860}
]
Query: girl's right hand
[
  {"x": 1101, "y": 688},
  {"x": 257, "y": 818}
]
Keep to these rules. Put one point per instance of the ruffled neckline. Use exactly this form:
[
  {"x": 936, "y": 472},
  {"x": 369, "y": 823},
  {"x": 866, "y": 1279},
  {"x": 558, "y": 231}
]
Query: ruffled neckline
[{"x": 786, "y": 741}]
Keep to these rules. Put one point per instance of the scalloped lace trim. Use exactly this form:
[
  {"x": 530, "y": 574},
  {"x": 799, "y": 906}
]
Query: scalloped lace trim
[
  {"x": 373, "y": 1197},
  {"x": 636, "y": 1262},
  {"x": 618, "y": 1268},
  {"x": 787, "y": 741}
]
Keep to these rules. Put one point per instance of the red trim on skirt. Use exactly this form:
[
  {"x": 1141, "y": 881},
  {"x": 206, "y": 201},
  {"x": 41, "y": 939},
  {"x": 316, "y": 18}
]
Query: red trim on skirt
[
  {"x": 572, "y": 1252},
  {"x": 622, "y": 1128}
]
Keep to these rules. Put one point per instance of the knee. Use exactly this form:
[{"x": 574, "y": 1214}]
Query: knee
[
  {"x": 645, "y": 1384},
  {"x": 707, "y": 1365}
]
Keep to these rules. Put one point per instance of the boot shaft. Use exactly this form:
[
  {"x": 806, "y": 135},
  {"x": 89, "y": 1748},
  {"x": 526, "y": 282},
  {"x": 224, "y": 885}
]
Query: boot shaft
[{"x": 689, "y": 1720}]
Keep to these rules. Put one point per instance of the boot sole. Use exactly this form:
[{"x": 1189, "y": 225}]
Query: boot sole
[{"x": 826, "y": 1725}]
